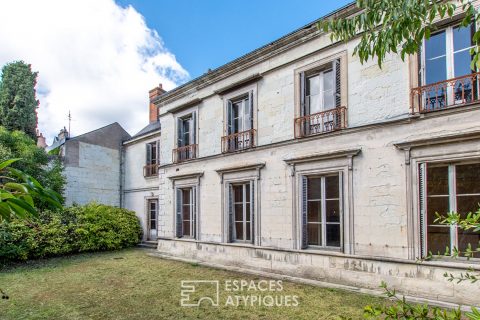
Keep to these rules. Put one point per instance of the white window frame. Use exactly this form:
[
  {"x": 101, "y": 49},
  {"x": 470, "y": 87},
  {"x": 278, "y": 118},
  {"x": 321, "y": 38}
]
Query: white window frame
[
  {"x": 190, "y": 112},
  {"x": 244, "y": 211},
  {"x": 192, "y": 232},
  {"x": 450, "y": 63},
  {"x": 236, "y": 95},
  {"x": 452, "y": 195},
  {"x": 323, "y": 205},
  {"x": 321, "y": 78}
]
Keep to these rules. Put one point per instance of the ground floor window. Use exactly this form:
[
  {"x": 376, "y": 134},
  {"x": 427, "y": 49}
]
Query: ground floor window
[
  {"x": 152, "y": 210},
  {"x": 186, "y": 212},
  {"x": 322, "y": 211},
  {"x": 448, "y": 188},
  {"x": 241, "y": 215}
]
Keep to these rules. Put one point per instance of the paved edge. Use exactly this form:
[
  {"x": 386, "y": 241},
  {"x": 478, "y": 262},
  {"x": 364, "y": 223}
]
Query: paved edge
[{"x": 317, "y": 283}]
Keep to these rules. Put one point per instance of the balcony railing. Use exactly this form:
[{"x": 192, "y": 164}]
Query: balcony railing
[
  {"x": 150, "y": 170},
  {"x": 321, "y": 122},
  {"x": 184, "y": 153},
  {"x": 445, "y": 94},
  {"x": 239, "y": 141}
]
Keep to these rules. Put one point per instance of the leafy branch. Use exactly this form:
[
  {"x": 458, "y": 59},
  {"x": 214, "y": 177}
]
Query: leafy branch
[{"x": 398, "y": 26}]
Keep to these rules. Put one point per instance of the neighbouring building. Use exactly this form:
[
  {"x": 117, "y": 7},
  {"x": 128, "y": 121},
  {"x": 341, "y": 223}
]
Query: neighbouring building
[
  {"x": 297, "y": 159},
  {"x": 92, "y": 164}
]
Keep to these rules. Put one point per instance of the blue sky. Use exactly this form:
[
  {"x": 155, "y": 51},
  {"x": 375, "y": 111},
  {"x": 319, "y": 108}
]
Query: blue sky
[{"x": 209, "y": 33}]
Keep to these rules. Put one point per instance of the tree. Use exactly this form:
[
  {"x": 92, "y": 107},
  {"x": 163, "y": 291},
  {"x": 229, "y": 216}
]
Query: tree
[
  {"x": 34, "y": 162},
  {"x": 17, "y": 98},
  {"x": 398, "y": 26}
]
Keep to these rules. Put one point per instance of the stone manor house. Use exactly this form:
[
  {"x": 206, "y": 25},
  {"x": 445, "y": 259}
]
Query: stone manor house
[{"x": 296, "y": 159}]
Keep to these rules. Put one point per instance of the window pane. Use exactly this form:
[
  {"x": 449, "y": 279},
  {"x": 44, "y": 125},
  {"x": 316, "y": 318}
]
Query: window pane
[
  {"x": 186, "y": 212},
  {"x": 333, "y": 211},
  {"x": 437, "y": 180},
  {"x": 331, "y": 186},
  {"x": 314, "y": 233},
  {"x": 247, "y": 192},
  {"x": 313, "y": 85},
  {"x": 314, "y": 103},
  {"x": 186, "y": 228},
  {"x": 247, "y": 232},
  {"x": 462, "y": 38},
  {"x": 436, "y": 204},
  {"x": 328, "y": 80},
  {"x": 333, "y": 235},
  {"x": 435, "y": 71},
  {"x": 314, "y": 186},
  {"x": 186, "y": 196},
  {"x": 314, "y": 211},
  {"x": 238, "y": 193},
  {"x": 461, "y": 62},
  {"x": 239, "y": 230},
  {"x": 438, "y": 239},
  {"x": 238, "y": 212},
  {"x": 153, "y": 224},
  {"x": 328, "y": 100},
  {"x": 468, "y": 178},
  {"x": 435, "y": 46},
  {"x": 466, "y": 204},
  {"x": 468, "y": 236},
  {"x": 247, "y": 212}
]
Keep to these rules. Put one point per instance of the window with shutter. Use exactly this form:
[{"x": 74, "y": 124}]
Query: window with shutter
[
  {"x": 443, "y": 188},
  {"x": 241, "y": 212},
  {"x": 186, "y": 211},
  {"x": 322, "y": 211}
]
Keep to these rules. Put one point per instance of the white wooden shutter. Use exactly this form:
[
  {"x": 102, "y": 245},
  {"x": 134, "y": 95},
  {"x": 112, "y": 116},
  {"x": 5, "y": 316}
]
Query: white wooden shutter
[
  {"x": 231, "y": 222},
  {"x": 179, "y": 220},
  {"x": 304, "y": 212},
  {"x": 422, "y": 203},
  {"x": 252, "y": 211}
]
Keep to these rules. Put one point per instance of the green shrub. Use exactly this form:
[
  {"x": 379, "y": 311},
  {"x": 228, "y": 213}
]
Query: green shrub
[{"x": 93, "y": 227}]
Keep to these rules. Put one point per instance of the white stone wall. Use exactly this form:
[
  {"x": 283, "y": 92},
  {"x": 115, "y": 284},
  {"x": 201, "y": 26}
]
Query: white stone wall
[
  {"x": 137, "y": 188},
  {"x": 96, "y": 178}
]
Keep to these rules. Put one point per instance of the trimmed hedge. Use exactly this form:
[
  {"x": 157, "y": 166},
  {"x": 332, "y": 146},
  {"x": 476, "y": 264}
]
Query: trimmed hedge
[{"x": 93, "y": 227}]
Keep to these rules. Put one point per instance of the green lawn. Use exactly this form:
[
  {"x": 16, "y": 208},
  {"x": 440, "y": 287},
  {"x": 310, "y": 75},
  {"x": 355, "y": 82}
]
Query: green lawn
[{"x": 129, "y": 284}]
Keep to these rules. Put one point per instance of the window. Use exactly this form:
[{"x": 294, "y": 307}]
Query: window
[
  {"x": 152, "y": 206},
  {"x": 320, "y": 101},
  {"x": 448, "y": 188},
  {"x": 322, "y": 211},
  {"x": 151, "y": 167},
  {"x": 240, "y": 132},
  {"x": 241, "y": 212},
  {"x": 446, "y": 55},
  {"x": 186, "y": 138},
  {"x": 186, "y": 212}
]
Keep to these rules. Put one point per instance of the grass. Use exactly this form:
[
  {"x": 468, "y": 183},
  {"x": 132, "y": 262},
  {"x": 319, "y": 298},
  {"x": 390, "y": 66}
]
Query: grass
[{"x": 128, "y": 284}]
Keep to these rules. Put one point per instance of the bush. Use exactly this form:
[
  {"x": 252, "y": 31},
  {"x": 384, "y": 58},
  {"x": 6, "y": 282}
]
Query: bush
[{"x": 93, "y": 227}]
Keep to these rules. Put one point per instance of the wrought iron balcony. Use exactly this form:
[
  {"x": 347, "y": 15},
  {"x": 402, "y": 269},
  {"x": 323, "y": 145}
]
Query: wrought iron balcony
[
  {"x": 150, "y": 170},
  {"x": 238, "y": 141},
  {"x": 321, "y": 122},
  {"x": 184, "y": 153},
  {"x": 445, "y": 94}
]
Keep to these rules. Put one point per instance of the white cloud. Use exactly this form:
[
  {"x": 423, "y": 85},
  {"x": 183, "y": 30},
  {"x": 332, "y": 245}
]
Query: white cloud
[{"x": 94, "y": 58}]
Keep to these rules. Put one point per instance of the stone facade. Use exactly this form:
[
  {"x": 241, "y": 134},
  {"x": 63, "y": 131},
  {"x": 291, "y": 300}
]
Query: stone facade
[
  {"x": 92, "y": 166},
  {"x": 377, "y": 158}
]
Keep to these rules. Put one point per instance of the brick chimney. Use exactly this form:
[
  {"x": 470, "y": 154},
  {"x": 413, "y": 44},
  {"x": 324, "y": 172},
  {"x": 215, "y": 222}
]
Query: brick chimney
[{"x": 154, "y": 94}]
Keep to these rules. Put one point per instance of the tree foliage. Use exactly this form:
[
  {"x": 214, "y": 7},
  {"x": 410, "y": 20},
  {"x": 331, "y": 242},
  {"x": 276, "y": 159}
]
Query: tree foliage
[
  {"x": 18, "y": 191},
  {"x": 398, "y": 26},
  {"x": 35, "y": 162},
  {"x": 18, "y": 103}
]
